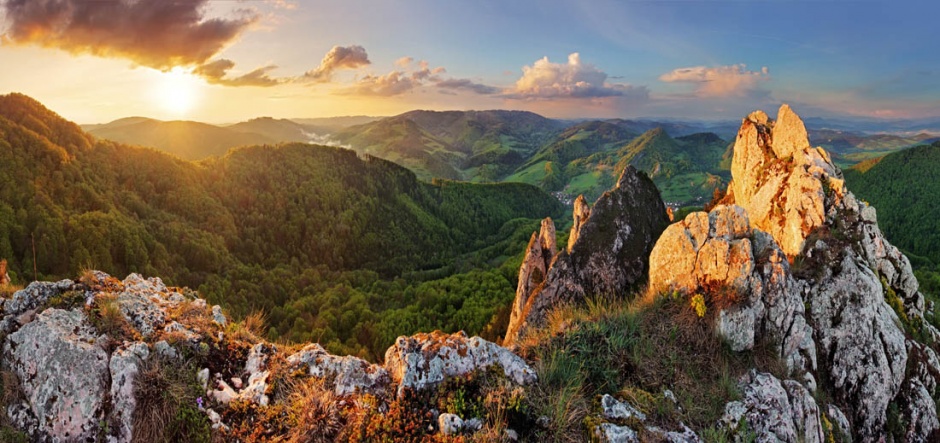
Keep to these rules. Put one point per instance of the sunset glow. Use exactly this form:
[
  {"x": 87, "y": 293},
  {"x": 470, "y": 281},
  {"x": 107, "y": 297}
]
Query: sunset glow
[
  {"x": 177, "y": 91},
  {"x": 231, "y": 61}
]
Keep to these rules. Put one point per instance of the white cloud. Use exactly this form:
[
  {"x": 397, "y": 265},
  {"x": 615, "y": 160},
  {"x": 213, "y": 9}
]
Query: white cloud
[
  {"x": 547, "y": 80},
  {"x": 720, "y": 81}
]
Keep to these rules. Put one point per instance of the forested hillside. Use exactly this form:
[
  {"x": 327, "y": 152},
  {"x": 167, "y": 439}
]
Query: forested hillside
[
  {"x": 351, "y": 251},
  {"x": 904, "y": 187}
]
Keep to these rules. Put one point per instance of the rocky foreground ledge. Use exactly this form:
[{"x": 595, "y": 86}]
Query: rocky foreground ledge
[{"x": 77, "y": 349}]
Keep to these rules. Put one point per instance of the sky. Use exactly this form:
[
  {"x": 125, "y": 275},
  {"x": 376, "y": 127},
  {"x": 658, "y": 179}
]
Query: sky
[{"x": 228, "y": 61}]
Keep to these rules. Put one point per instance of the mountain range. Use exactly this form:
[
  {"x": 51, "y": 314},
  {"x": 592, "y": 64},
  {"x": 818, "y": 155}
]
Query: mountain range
[{"x": 569, "y": 157}]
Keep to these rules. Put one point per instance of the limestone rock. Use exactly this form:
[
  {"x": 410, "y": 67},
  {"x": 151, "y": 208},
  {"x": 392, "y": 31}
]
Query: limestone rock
[
  {"x": 782, "y": 183},
  {"x": 611, "y": 433},
  {"x": 63, "y": 374},
  {"x": 137, "y": 303},
  {"x": 218, "y": 316},
  {"x": 349, "y": 374},
  {"x": 124, "y": 366},
  {"x": 581, "y": 212},
  {"x": 424, "y": 360},
  {"x": 718, "y": 254},
  {"x": 538, "y": 258},
  {"x": 27, "y": 299},
  {"x": 775, "y": 410},
  {"x": 858, "y": 333},
  {"x": 614, "y": 409},
  {"x": 609, "y": 256},
  {"x": 449, "y": 424}
]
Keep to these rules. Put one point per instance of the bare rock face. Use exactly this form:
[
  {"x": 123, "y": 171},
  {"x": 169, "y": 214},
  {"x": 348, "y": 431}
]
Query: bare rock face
[
  {"x": 535, "y": 265},
  {"x": 780, "y": 181},
  {"x": 609, "y": 256},
  {"x": 350, "y": 374},
  {"x": 775, "y": 411},
  {"x": 63, "y": 374},
  {"x": 424, "y": 360},
  {"x": 28, "y": 299},
  {"x": 830, "y": 310},
  {"x": 718, "y": 254},
  {"x": 124, "y": 365},
  {"x": 581, "y": 213}
]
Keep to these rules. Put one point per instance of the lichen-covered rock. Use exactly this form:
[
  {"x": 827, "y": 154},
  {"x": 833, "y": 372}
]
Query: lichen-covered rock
[
  {"x": 63, "y": 373},
  {"x": 29, "y": 298},
  {"x": 775, "y": 411},
  {"x": 349, "y": 374},
  {"x": 139, "y": 302},
  {"x": 449, "y": 424},
  {"x": 846, "y": 272},
  {"x": 424, "y": 360},
  {"x": 124, "y": 365},
  {"x": 859, "y": 334},
  {"x": 609, "y": 256},
  {"x": 613, "y": 409},
  {"x": 611, "y": 433},
  {"x": 718, "y": 254}
]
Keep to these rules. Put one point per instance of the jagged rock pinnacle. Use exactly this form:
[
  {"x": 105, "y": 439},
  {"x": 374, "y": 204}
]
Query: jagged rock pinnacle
[{"x": 609, "y": 256}]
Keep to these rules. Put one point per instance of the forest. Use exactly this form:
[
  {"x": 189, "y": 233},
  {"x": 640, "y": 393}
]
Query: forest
[
  {"x": 346, "y": 249},
  {"x": 904, "y": 188}
]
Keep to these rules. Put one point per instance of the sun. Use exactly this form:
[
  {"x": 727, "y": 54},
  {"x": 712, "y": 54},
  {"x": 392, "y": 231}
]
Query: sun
[{"x": 176, "y": 91}]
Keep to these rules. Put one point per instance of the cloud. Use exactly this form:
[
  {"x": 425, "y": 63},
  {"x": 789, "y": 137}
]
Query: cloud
[
  {"x": 454, "y": 84},
  {"x": 547, "y": 80},
  {"x": 393, "y": 83},
  {"x": 721, "y": 81},
  {"x": 158, "y": 34},
  {"x": 214, "y": 72},
  {"x": 404, "y": 62},
  {"x": 340, "y": 57}
]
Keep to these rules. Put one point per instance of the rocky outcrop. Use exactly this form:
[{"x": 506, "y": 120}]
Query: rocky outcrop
[
  {"x": 609, "y": 255},
  {"x": 538, "y": 258},
  {"x": 775, "y": 411},
  {"x": 425, "y": 360},
  {"x": 781, "y": 181},
  {"x": 63, "y": 373},
  {"x": 581, "y": 212},
  {"x": 124, "y": 366},
  {"x": 741, "y": 272},
  {"x": 844, "y": 310},
  {"x": 349, "y": 374}
]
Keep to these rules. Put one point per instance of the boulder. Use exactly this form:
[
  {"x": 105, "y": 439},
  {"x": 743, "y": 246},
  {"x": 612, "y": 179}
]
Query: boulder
[
  {"x": 719, "y": 255},
  {"x": 63, "y": 374},
  {"x": 609, "y": 256},
  {"x": 449, "y": 424},
  {"x": 28, "y": 299},
  {"x": 774, "y": 410},
  {"x": 425, "y": 360},
  {"x": 611, "y": 433},
  {"x": 124, "y": 365},
  {"x": 349, "y": 374},
  {"x": 613, "y": 409}
]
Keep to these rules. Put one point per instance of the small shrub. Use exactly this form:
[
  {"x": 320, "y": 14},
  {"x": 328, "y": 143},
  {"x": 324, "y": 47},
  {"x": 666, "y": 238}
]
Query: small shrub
[
  {"x": 317, "y": 414},
  {"x": 698, "y": 303},
  {"x": 107, "y": 318}
]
